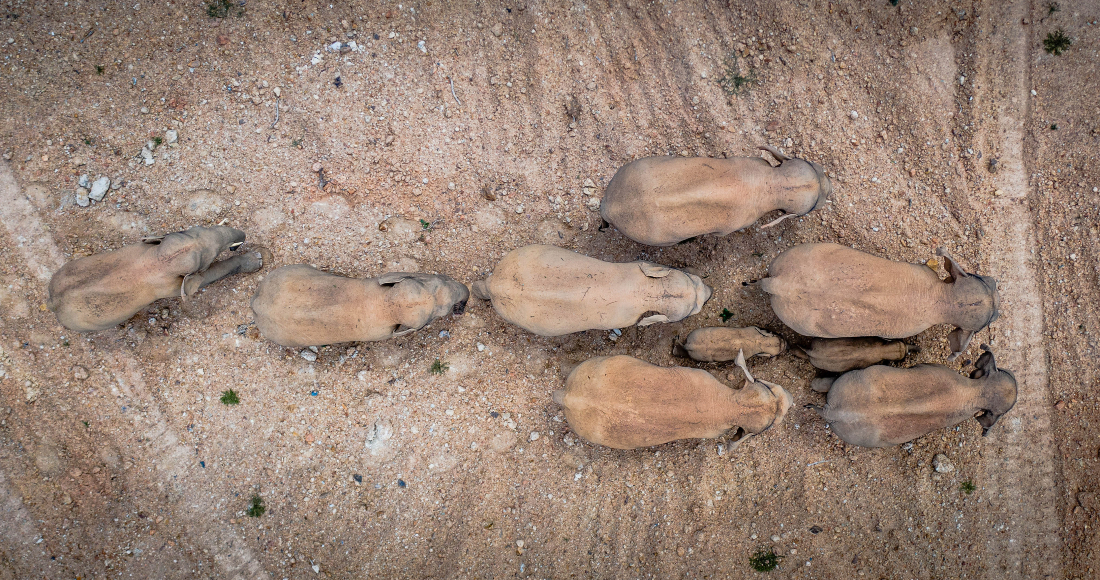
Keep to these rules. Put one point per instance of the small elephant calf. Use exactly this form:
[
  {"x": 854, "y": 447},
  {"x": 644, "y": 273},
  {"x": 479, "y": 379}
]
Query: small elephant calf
[
  {"x": 302, "y": 306},
  {"x": 833, "y": 291},
  {"x": 882, "y": 406},
  {"x": 99, "y": 291},
  {"x": 625, "y": 403},
  {"x": 722, "y": 343},
  {"x": 552, "y": 291},
  {"x": 661, "y": 201},
  {"x": 840, "y": 355}
]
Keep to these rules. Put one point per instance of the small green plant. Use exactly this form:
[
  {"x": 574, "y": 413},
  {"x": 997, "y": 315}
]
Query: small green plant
[
  {"x": 158, "y": 140},
  {"x": 764, "y": 560},
  {"x": 1057, "y": 42},
  {"x": 968, "y": 487},
  {"x": 439, "y": 367},
  {"x": 85, "y": 424},
  {"x": 88, "y": 141},
  {"x": 296, "y": 142},
  {"x": 726, "y": 315},
  {"x": 99, "y": 69},
  {"x": 425, "y": 225},
  {"x": 733, "y": 82},
  {"x": 230, "y": 397},
  {"x": 223, "y": 8},
  {"x": 257, "y": 508},
  {"x": 1054, "y": 126},
  {"x": 1052, "y": 7}
]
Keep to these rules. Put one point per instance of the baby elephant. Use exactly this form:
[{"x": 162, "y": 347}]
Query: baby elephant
[
  {"x": 882, "y": 406},
  {"x": 626, "y": 403},
  {"x": 551, "y": 291},
  {"x": 721, "y": 343},
  {"x": 839, "y": 355},
  {"x": 661, "y": 201},
  {"x": 833, "y": 291},
  {"x": 99, "y": 291},
  {"x": 301, "y": 306}
]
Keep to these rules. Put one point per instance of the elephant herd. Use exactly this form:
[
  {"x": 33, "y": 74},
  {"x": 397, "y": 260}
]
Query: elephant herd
[{"x": 853, "y": 304}]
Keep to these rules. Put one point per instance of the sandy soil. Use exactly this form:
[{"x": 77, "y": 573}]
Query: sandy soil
[{"x": 118, "y": 460}]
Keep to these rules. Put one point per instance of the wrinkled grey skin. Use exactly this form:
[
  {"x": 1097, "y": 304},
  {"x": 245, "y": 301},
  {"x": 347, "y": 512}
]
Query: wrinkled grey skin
[
  {"x": 844, "y": 354},
  {"x": 100, "y": 291},
  {"x": 301, "y": 306},
  {"x": 552, "y": 291},
  {"x": 661, "y": 201},
  {"x": 833, "y": 291},
  {"x": 882, "y": 406},
  {"x": 722, "y": 343}
]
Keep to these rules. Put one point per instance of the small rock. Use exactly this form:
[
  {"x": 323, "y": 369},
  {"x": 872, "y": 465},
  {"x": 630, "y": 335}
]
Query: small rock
[
  {"x": 534, "y": 436},
  {"x": 84, "y": 182},
  {"x": 309, "y": 438},
  {"x": 80, "y": 373},
  {"x": 308, "y": 355},
  {"x": 145, "y": 110},
  {"x": 278, "y": 91},
  {"x": 775, "y": 538},
  {"x": 480, "y": 347},
  {"x": 591, "y": 85},
  {"x": 942, "y": 464},
  {"x": 82, "y": 198},
  {"x": 593, "y": 203},
  {"x": 497, "y": 29},
  {"x": 147, "y": 155},
  {"x": 171, "y": 136},
  {"x": 31, "y": 392},
  {"x": 99, "y": 188},
  {"x": 1087, "y": 500},
  {"x": 589, "y": 188},
  {"x": 317, "y": 167},
  {"x": 222, "y": 39},
  {"x": 66, "y": 499},
  {"x": 75, "y": 473},
  {"x": 854, "y": 115},
  {"x": 1060, "y": 405},
  {"x": 78, "y": 161}
]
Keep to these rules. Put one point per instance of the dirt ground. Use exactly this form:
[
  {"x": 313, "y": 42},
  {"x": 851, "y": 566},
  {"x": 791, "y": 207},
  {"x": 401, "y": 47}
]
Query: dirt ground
[{"x": 941, "y": 123}]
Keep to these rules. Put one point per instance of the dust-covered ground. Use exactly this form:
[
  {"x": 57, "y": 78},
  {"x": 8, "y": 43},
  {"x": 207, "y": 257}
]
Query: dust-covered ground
[{"x": 447, "y": 134}]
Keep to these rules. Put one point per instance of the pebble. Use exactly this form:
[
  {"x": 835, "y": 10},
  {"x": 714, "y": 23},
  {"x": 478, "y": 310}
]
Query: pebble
[
  {"x": 942, "y": 463},
  {"x": 84, "y": 182},
  {"x": 589, "y": 188},
  {"x": 775, "y": 538},
  {"x": 278, "y": 91},
  {"x": 145, "y": 110},
  {"x": 853, "y": 115},
  {"x": 534, "y": 436},
  {"x": 82, "y": 198},
  {"x": 171, "y": 136},
  {"x": 308, "y": 355},
  {"x": 591, "y": 85},
  {"x": 317, "y": 167},
  {"x": 593, "y": 203},
  {"x": 80, "y": 373},
  {"x": 480, "y": 347},
  {"x": 497, "y": 29},
  {"x": 99, "y": 188},
  {"x": 147, "y": 155}
]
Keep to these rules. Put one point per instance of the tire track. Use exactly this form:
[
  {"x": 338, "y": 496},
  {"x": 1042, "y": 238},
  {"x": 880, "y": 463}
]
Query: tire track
[
  {"x": 173, "y": 461},
  {"x": 1021, "y": 480}
]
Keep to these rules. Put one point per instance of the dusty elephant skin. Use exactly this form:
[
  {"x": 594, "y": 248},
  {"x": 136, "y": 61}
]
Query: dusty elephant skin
[
  {"x": 720, "y": 343},
  {"x": 833, "y": 291},
  {"x": 301, "y": 306},
  {"x": 839, "y": 355},
  {"x": 552, "y": 291},
  {"x": 882, "y": 406},
  {"x": 661, "y": 201},
  {"x": 626, "y": 403},
  {"x": 102, "y": 290}
]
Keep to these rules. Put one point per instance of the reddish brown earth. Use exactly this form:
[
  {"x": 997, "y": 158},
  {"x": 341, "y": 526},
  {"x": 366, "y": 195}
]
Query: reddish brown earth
[{"x": 118, "y": 460}]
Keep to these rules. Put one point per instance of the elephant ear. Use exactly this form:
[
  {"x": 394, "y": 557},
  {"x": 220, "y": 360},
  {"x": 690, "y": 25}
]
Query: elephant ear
[
  {"x": 955, "y": 272},
  {"x": 652, "y": 270},
  {"x": 987, "y": 419},
  {"x": 391, "y": 278},
  {"x": 958, "y": 340}
]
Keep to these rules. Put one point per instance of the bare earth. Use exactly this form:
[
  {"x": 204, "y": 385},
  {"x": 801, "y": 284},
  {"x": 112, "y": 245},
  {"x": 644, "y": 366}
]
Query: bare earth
[{"x": 484, "y": 121}]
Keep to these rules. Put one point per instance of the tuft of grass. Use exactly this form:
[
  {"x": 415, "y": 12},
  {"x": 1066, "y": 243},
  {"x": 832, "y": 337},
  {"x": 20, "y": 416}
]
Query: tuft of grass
[
  {"x": 968, "y": 487},
  {"x": 99, "y": 69},
  {"x": 1054, "y": 126},
  {"x": 88, "y": 141},
  {"x": 257, "y": 508},
  {"x": 425, "y": 225},
  {"x": 158, "y": 140},
  {"x": 1057, "y": 42},
  {"x": 85, "y": 424},
  {"x": 223, "y": 8},
  {"x": 1053, "y": 7},
  {"x": 765, "y": 560},
  {"x": 732, "y": 81},
  {"x": 439, "y": 367},
  {"x": 230, "y": 397},
  {"x": 726, "y": 315},
  {"x": 296, "y": 142}
]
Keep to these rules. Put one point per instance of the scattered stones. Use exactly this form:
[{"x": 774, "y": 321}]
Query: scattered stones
[
  {"x": 589, "y": 188},
  {"x": 99, "y": 188},
  {"x": 942, "y": 464},
  {"x": 308, "y": 355},
  {"x": 80, "y": 373}
]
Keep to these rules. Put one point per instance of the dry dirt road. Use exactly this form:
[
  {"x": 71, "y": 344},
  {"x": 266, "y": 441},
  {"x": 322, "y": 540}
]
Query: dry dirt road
[{"x": 447, "y": 134}]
